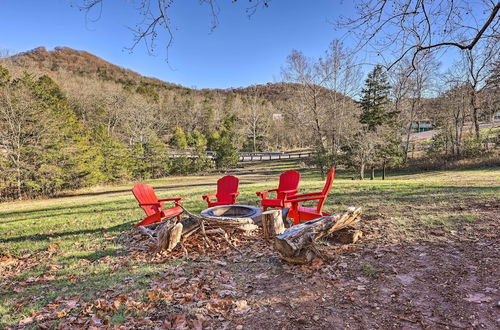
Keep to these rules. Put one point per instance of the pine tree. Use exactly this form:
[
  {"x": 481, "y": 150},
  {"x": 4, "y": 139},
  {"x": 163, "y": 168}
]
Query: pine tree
[
  {"x": 4, "y": 76},
  {"x": 179, "y": 139},
  {"x": 374, "y": 102},
  {"x": 201, "y": 162},
  {"x": 116, "y": 160},
  {"x": 378, "y": 143},
  {"x": 226, "y": 152},
  {"x": 156, "y": 156}
]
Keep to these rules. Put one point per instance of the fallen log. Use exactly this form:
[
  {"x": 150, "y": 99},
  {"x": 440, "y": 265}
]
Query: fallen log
[
  {"x": 297, "y": 243},
  {"x": 242, "y": 224},
  {"x": 170, "y": 233}
]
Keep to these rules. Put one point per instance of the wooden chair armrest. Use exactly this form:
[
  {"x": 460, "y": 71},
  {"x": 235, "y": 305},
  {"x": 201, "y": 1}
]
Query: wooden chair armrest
[
  {"x": 298, "y": 200},
  {"x": 263, "y": 193},
  {"x": 304, "y": 195},
  {"x": 207, "y": 197},
  {"x": 175, "y": 199},
  {"x": 150, "y": 204}
]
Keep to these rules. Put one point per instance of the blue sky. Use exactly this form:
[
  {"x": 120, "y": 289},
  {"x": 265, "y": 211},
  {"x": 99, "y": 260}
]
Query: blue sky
[{"x": 240, "y": 52}]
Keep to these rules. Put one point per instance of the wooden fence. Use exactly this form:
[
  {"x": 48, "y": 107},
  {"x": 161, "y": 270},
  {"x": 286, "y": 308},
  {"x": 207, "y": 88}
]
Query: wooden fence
[{"x": 246, "y": 156}]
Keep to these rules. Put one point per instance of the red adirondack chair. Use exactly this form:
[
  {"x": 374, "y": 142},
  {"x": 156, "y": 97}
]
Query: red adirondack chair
[
  {"x": 289, "y": 185},
  {"x": 227, "y": 191},
  {"x": 300, "y": 213},
  {"x": 153, "y": 206}
]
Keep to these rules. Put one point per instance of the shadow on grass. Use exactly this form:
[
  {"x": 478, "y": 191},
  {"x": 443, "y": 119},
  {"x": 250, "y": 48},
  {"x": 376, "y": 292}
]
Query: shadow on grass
[
  {"x": 63, "y": 207},
  {"x": 80, "y": 212},
  {"x": 42, "y": 237},
  {"x": 156, "y": 188}
]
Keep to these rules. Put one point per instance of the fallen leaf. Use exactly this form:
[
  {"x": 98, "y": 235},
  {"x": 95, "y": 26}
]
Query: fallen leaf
[
  {"x": 477, "y": 298},
  {"x": 220, "y": 262},
  {"x": 53, "y": 246},
  {"x": 153, "y": 295},
  {"x": 241, "y": 306}
]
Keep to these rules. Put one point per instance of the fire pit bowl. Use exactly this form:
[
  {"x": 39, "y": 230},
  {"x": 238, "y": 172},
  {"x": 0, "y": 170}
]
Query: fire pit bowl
[{"x": 233, "y": 211}]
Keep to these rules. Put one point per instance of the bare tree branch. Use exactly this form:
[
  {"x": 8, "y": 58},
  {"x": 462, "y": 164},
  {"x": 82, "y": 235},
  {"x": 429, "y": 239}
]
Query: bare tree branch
[{"x": 409, "y": 27}]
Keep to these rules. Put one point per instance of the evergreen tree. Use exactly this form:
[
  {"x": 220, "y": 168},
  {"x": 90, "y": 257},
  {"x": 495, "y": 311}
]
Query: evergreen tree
[
  {"x": 49, "y": 147},
  {"x": 179, "y": 140},
  {"x": 4, "y": 76},
  {"x": 226, "y": 152},
  {"x": 374, "y": 102},
  {"x": 115, "y": 158},
  {"x": 378, "y": 142},
  {"x": 156, "y": 156},
  {"x": 199, "y": 141},
  {"x": 201, "y": 162}
]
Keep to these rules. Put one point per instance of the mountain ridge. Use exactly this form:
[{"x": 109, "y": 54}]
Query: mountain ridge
[{"x": 84, "y": 63}]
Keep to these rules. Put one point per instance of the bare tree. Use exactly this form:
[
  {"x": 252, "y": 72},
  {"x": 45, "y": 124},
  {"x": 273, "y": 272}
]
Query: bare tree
[
  {"x": 342, "y": 80},
  {"x": 363, "y": 148},
  {"x": 408, "y": 27},
  {"x": 410, "y": 83},
  {"x": 478, "y": 63},
  {"x": 307, "y": 82},
  {"x": 256, "y": 116}
]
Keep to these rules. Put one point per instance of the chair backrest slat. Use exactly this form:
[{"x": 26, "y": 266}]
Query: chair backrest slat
[
  {"x": 289, "y": 180},
  {"x": 326, "y": 189},
  {"x": 145, "y": 194},
  {"x": 225, "y": 187}
]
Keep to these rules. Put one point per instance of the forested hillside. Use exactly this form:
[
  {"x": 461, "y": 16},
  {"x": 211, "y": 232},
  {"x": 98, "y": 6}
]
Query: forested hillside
[{"x": 70, "y": 119}]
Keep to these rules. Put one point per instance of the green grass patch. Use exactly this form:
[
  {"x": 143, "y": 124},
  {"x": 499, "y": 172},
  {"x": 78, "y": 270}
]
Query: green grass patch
[
  {"x": 448, "y": 221},
  {"x": 369, "y": 270}
]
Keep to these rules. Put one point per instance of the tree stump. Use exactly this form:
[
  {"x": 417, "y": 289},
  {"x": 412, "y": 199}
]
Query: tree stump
[
  {"x": 169, "y": 236},
  {"x": 297, "y": 243},
  {"x": 272, "y": 223}
]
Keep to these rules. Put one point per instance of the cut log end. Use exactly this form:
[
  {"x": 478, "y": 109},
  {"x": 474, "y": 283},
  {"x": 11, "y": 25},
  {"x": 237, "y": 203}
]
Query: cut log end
[
  {"x": 347, "y": 236},
  {"x": 272, "y": 223}
]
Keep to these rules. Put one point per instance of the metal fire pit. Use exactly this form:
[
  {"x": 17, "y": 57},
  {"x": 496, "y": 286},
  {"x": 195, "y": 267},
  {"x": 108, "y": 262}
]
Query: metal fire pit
[{"x": 233, "y": 211}]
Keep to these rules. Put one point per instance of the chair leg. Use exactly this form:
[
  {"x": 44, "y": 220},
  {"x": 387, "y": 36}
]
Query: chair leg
[
  {"x": 178, "y": 217},
  {"x": 296, "y": 219}
]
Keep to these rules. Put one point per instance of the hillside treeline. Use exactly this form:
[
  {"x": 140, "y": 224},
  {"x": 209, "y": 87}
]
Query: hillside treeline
[{"x": 69, "y": 119}]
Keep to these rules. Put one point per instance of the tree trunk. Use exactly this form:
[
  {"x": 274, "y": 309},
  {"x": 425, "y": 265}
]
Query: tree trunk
[
  {"x": 272, "y": 223},
  {"x": 19, "y": 191},
  {"x": 383, "y": 171},
  {"x": 362, "y": 171},
  {"x": 372, "y": 175},
  {"x": 474, "y": 114},
  {"x": 297, "y": 243}
]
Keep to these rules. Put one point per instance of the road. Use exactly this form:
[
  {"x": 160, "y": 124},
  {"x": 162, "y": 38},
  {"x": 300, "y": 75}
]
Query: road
[{"x": 430, "y": 134}]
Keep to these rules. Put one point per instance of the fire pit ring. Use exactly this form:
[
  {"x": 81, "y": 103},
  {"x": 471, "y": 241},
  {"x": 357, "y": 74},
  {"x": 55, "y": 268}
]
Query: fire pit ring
[{"x": 233, "y": 211}]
